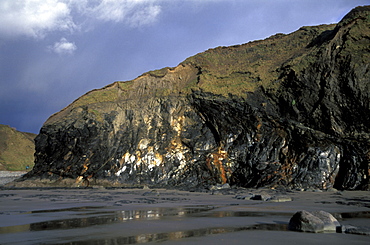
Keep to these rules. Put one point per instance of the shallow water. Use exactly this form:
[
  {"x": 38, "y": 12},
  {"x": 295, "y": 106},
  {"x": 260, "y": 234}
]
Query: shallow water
[
  {"x": 89, "y": 216},
  {"x": 92, "y": 216},
  {"x": 80, "y": 219},
  {"x": 120, "y": 216}
]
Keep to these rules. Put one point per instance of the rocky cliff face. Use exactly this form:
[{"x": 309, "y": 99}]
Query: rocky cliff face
[{"x": 292, "y": 110}]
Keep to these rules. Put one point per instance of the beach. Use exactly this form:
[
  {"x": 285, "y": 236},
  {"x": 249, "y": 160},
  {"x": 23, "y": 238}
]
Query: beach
[
  {"x": 99, "y": 215},
  {"x": 9, "y": 176}
]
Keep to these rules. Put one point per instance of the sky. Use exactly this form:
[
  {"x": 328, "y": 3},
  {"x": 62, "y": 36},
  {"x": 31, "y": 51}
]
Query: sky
[{"x": 54, "y": 51}]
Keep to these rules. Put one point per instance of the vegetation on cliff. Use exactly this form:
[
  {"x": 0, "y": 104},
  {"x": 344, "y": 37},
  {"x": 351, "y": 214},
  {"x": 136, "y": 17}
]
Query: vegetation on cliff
[
  {"x": 292, "y": 110},
  {"x": 16, "y": 149}
]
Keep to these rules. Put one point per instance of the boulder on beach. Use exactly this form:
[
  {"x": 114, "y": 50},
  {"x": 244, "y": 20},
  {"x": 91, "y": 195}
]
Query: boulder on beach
[{"x": 320, "y": 221}]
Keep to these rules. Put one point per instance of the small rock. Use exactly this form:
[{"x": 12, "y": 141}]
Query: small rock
[
  {"x": 261, "y": 197},
  {"x": 349, "y": 229},
  {"x": 248, "y": 196},
  {"x": 280, "y": 199},
  {"x": 220, "y": 187},
  {"x": 216, "y": 192},
  {"x": 151, "y": 193},
  {"x": 343, "y": 228}
]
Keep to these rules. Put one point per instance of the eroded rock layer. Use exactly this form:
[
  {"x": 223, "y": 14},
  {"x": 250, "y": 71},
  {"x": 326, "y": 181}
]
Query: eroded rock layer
[{"x": 291, "y": 110}]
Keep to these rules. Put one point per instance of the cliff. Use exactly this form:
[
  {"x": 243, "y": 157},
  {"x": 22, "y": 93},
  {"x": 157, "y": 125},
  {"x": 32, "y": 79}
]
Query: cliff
[
  {"x": 291, "y": 110},
  {"x": 16, "y": 149}
]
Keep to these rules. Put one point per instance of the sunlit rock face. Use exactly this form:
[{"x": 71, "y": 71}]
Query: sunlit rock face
[{"x": 291, "y": 110}]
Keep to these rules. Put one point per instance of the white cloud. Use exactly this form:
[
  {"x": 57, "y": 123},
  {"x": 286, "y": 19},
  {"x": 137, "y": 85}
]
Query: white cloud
[
  {"x": 145, "y": 16},
  {"x": 35, "y": 18},
  {"x": 133, "y": 12},
  {"x": 63, "y": 47}
]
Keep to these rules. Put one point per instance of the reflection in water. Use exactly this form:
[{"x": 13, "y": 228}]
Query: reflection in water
[
  {"x": 14, "y": 229},
  {"x": 160, "y": 237},
  {"x": 364, "y": 214},
  {"x": 91, "y": 216},
  {"x": 75, "y": 209},
  {"x": 101, "y": 218},
  {"x": 221, "y": 214}
]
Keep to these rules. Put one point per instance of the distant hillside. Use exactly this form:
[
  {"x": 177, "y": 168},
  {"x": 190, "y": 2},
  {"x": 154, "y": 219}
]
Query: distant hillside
[{"x": 16, "y": 149}]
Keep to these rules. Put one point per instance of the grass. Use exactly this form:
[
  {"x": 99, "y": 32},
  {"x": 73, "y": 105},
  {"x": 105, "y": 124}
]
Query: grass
[
  {"x": 159, "y": 73},
  {"x": 243, "y": 68},
  {"x": 235, "y": 70},
  {"x": 16, "y": 149},
  {"x": 97, "y": 96}
]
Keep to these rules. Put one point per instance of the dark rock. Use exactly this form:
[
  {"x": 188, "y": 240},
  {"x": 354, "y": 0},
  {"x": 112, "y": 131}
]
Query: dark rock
[
  {"x": 151, "y": 193},
  {"x": 292, "y": 110},
  {"x": 349, "y": 229},
  {"x": 280, "y": 199},
  {"x": 244, "y": 196},
  {"x": 220, "y": 187},
  {"x": 261, "y": 197}
]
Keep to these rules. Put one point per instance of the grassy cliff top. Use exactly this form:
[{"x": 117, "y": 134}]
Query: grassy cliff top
[
  {"x": 223, "y": 70},
  {"x": 243, "y": 68},
  {"x": 238, "y": 69}
]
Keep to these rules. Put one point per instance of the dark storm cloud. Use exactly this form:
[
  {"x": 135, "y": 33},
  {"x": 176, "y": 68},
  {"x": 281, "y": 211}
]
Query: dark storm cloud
[{"x": 57, "y": 50}]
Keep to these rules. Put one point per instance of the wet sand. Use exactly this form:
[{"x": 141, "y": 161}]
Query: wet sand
[{"x": 130, "y": 216}]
